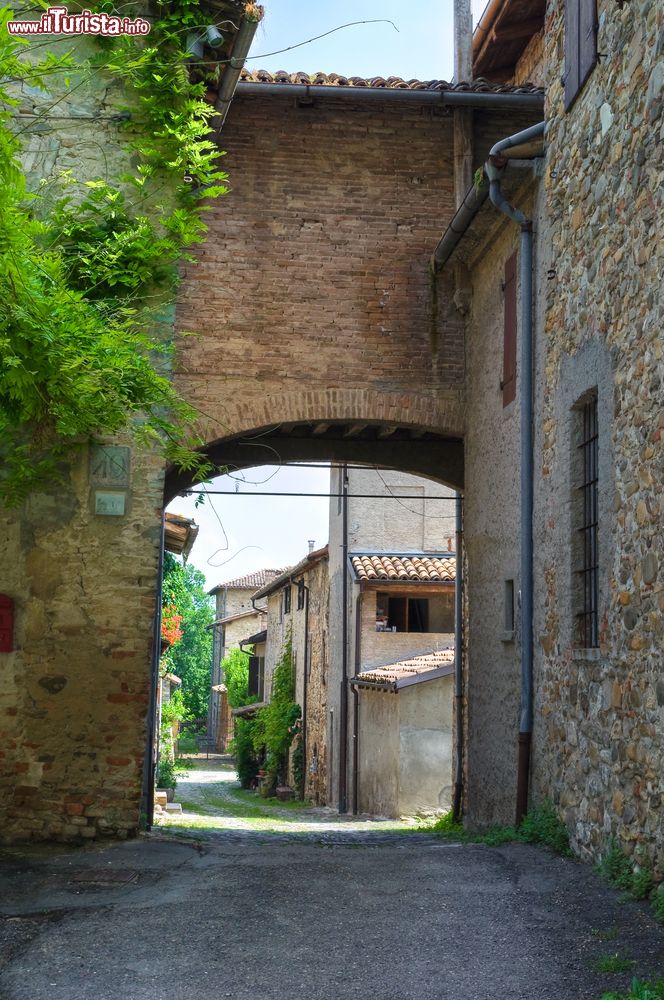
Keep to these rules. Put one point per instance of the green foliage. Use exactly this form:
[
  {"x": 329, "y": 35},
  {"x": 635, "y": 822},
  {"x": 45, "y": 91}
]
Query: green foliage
[
  {"x": 643, "y": 884},
  {"x": 172, "y": 711},
  {"x": 235, "y": 671},
  {"x": 187, "y": 742},
  {"x": 613, "y": 963},
  {"x": 298, "y": 763},
  {"x": 616, "y": 867},
  {"x": 639, "y": 991},
  {"x": 166, "y": 772},
  {"x": 276, "y": 724},
  {"x": 246, "y": 757},
  {"x": 658, "y": 903},
  {"x": 541, "y": 826},
  {"x": 81, "y": 283},
  {"x": 190, "y": 659}
]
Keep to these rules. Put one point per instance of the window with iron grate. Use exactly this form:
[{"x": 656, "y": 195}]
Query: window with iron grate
[{"x": 587, "y": 523}]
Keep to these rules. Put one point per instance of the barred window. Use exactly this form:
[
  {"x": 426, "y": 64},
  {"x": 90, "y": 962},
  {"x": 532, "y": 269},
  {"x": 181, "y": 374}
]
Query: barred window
[{"x": 587, "y": 547}]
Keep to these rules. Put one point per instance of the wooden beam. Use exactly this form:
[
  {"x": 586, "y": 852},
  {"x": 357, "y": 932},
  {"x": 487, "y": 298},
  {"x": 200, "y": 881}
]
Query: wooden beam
[
  {"x": 519, "y": 30},
  {"x": 386, "y": 432},
  {"x": 321, "y": 428},
  {"x": 354, "y": 430}
]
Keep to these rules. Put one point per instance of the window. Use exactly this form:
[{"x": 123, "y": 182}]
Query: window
[
  {"x": 586, "y": 507},
  {"x": 509, "y": 606},
  {"x": 580, "y": 46},
  {"x": 286, "y": 600},
  {"x": 256, "y": 686},
  {"x": 401, "y": 613},
  {"x": 301, "y": 591},
  {"x": 508, "y": 383}
]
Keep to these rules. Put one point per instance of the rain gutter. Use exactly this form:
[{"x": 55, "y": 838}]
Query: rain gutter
[
  {"x": 494, "y": 168},
  {"x": 436, "y": 98},
  {"x": 151, "y": 750},
  {"x": 229, "y": 80},
  {"x": 458, "y": 661}
]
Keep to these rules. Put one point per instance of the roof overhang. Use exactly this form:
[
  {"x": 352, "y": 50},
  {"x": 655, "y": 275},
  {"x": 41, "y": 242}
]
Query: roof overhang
[
  {"x": 394, "y": 686},
  {"x": 502, "y": 34}
]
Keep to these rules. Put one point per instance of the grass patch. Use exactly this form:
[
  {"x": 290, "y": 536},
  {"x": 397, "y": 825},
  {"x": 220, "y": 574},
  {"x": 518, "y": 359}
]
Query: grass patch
[
  {"x": 608, "y": 934},
  {"x": 639, "y": 991},
  {"x": 541, "y": 826},
  {"x": 619, "y": 871},
  {"x": 613, "y": 963},
  {"x": 194, "y": 807},
  {"x": 245, "y": 795}
]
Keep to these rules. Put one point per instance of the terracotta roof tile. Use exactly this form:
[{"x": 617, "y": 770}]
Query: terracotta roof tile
[
  {"x": 252, "y": 581},
  {"x": 378, "y": 82},
  {"x": 409, "y": 569},
  {"x": 413, "y": 667}
]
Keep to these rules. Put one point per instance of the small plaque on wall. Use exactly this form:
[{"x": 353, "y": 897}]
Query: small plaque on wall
[
  {"x": 110, "y": 504},
  {"x": 109, "y": 466}
]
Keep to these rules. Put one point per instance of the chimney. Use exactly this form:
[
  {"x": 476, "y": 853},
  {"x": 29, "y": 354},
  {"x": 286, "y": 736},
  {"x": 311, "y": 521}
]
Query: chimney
[
  {"x": 310, "y": 543},
  {"x": 463, "y": 41}
]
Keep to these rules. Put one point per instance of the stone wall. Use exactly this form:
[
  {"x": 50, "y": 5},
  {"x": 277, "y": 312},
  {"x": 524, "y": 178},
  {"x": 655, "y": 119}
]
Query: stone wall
[
  {"x": 599, "y": 750},
  {"x": 74, "y": 694}
]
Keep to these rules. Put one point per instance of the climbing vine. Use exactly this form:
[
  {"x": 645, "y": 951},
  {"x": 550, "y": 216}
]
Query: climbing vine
[
  {"x": 85, "y": 277},
  {"x": 277, "y": 725}
]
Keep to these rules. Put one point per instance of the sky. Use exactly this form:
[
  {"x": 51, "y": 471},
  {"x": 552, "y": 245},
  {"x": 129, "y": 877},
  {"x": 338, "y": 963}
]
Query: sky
[
  {"x": 239, "y": 534},
  {"x": 416, "y": 45}
]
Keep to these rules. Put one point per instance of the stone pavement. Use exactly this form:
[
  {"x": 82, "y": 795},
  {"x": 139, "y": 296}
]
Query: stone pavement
[{"x": 252, "y": 915}]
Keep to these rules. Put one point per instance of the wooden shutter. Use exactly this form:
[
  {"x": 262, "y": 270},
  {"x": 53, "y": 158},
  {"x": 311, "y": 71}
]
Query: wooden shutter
[
  {"x": 254, "y": 676},
  {"x": 571, "y": 77},
  {"x": 508, "y": 383},
  {"x": 580, "y": 45},
  {"x": 587, "y": 38}
]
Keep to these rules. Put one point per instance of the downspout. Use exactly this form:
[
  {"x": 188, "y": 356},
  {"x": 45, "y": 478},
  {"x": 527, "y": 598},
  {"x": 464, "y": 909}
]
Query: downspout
[
  {"x": 458, "y": 660},
  {"x": 356, "y": 703},
  {"x": 303, "y": 735},
  {"x": 150, "y": 758},
  {"x": 494, "y": 168},
  {"x": 239, "y": 53},
  {"x": 343, "y": 708}
]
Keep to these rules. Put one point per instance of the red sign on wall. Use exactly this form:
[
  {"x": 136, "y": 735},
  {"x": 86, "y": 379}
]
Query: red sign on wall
[{"x": 6, "y": 624}]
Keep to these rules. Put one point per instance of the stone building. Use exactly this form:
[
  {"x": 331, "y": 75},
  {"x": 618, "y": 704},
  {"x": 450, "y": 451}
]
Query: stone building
[
  {"x": 235, "y": 618},
  {"x": 297, "y": 606},
  {"x": 592, "y": 186},
  {"x": 375, "y": 514},
  {"x": 373, "y": 363}
]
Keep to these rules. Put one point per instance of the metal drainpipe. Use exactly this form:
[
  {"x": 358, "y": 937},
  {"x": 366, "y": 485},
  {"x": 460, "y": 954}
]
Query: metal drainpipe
[
  {"x": 150, "y": 758},
  {"x": 239, "y": 53},
  {"x": 303, "y": 736},
  {"x": 494, "y": 167},
  {"x": 458, "y": 659},
  {"x": 356, "y": 703},
  {"x": 343, "y": 708}
]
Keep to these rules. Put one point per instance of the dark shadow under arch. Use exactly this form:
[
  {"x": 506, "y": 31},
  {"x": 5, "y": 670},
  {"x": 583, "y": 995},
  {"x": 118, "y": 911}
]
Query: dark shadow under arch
[{"x": 389, "y": 446}]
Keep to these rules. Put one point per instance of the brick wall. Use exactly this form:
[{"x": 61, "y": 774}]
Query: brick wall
[{"x": 320, "y": 259}]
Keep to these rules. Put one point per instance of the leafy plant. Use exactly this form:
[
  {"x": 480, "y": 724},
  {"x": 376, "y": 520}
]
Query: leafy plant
[
  {"x": 616, "y": 867},
  {"x": 614, "y": 963},
  {"x": 82, "y": 283},
  {"x": 658, "y": 903},
  {"x": 166, "y": 772},
  {"x": 639, "y": 991},
  {"x": 246, "y": 757},
  {"x": 235, "y": 671},
  {"x": 276, "y": 725},
  {"x": 541, "y": 826},
  {"x": 184, "y": 596}
]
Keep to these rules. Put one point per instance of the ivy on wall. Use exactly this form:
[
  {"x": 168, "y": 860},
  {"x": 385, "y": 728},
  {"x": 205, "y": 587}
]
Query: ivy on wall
[{"x": 84, "y": 278}]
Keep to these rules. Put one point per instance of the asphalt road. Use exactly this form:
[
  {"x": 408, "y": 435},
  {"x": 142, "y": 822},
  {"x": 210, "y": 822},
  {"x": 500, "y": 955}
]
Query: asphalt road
[{"x": 245, "y": 915}]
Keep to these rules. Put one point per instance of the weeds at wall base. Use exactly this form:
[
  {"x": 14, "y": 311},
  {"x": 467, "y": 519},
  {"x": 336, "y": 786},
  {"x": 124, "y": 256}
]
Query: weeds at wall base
[{"x": 541, "y": 826}]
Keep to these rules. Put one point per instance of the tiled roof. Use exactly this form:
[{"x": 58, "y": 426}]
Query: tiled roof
[
  {"x": 254, "y": 613},
  {"x": 291, "y": 571},
  {"x": 379, "y": 82},
  {"x": 252, "y": 581},
  {"x": 408, "y": 670},
  {"x": 409, "y": 569}
]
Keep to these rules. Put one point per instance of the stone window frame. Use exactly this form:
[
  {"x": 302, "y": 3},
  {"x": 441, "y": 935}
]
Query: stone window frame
[{"x": 588, "y": 370}]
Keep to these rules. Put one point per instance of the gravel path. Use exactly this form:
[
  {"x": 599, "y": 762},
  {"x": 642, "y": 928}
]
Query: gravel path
[{"x": 212, "y": 800}]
